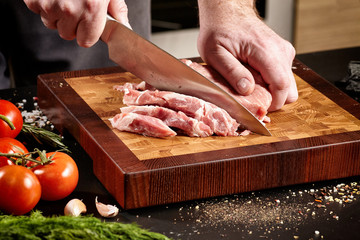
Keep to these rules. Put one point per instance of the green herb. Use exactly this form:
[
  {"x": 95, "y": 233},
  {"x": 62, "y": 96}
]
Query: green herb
[
  {"x": 42, "y": 135},
  {"x": 37, "y": 227}
]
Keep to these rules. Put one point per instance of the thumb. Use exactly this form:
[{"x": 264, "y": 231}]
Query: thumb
[
  {"x": 118, "y": 10},
  {"x": 234, "y": 72}
]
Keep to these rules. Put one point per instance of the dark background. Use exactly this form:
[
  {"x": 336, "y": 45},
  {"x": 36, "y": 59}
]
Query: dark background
[{"x": 181, "y": 14}]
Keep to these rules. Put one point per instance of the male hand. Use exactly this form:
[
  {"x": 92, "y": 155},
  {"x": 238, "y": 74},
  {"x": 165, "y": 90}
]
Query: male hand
[
  {"x": 233, "y": 40},
  {"x": 80, "y": 19}
]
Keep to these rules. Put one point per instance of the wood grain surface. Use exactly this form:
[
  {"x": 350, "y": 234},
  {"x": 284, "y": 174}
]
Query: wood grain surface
[
  {"x": 322, "y": 25},
  {"x": 316, "y": 138}
]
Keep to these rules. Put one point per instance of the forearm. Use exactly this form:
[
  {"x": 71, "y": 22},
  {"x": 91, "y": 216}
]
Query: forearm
[{"x": 220, "y": 9}]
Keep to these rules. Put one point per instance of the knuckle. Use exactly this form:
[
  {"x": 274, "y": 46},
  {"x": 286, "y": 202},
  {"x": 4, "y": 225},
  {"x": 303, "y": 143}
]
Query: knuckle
[
  {"x": 30, "y": 4},
  {"x": 46, "y": 8},
  {"x": 68, "y": 9},
  {"x": 283, "y": 84},
  {"x": 280, "y": 46},
  {"x": 35, "y": 6},
  {"x": 92, "y": 5},
  {"x": 289, "y": 48}
]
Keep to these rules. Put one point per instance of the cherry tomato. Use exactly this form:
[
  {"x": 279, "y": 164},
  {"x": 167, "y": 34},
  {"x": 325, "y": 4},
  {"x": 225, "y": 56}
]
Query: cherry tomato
[
  {"x": 10, "y": 145},
  {"x": 59, "y": 178},
  {"x": 20, "y": 189},
  {"x": 12, "y": 113}
]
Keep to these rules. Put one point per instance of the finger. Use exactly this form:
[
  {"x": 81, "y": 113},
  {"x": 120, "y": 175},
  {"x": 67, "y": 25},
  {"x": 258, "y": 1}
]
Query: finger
[
  {"x": 33, "y": 6},
  {"x": 279, "y": 90},
  {"x": 46, "y": 10},
  {"x": 51, "y": 24},
  {"x": 67, "y": 28},
  {"x": 284, "y": 89},
  {"x": 118, "y": 10},
  {"x": 234, "y": 72},
  {"x": 68, "y": 22},
  {"x": 279, "y": 84},
  {"x": 256, "y": 75},
  {"x": 91, "y": 24},
  {"x": 68, "y": 14},
  {"x": 293, "y": 94},
  {"x": 277, "y": 73}
]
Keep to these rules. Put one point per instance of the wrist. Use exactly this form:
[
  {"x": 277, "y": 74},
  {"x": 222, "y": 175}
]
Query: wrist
[
  {"x": 242, "y": 7},
  {"x": 220, "y": 11}
]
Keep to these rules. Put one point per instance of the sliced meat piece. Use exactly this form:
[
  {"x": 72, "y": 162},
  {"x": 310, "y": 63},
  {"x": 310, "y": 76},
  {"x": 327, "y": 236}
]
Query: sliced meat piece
[
  {"x": 190, "y": 126},
  {"x": 257, "y": 103},
  {"x": 220, "y": 122},
  {"x": 141, "y": 124},
  {"x": 138, "y": 98},
  {"x": 245, "y": 133},
  {"x": 136, "y": 86}
]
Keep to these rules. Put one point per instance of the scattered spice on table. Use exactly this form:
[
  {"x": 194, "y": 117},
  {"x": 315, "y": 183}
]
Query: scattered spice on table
[{"x": 265, "y": 213}]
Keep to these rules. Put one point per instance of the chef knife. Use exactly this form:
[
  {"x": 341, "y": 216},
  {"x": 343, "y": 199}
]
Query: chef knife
[{"x": 165, "y": 72}]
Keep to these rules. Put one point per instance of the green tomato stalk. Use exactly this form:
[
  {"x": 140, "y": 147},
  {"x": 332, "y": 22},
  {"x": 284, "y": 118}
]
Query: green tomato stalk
[{"x": 8, "y": 121}]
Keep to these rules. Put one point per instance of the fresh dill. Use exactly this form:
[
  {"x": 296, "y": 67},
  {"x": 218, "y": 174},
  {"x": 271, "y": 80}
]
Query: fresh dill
[{"x": 38, "y": 227}]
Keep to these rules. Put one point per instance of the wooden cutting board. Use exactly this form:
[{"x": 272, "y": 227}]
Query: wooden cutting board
[{"x": 316, "y": 138}]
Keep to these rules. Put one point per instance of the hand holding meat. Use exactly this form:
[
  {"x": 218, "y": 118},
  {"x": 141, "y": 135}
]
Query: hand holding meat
[
  {"x": 235, "y": 42},
  {"x": 80, "y": 19}
]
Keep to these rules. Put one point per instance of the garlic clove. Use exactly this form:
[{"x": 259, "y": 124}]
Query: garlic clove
[
  {"x": 106, "y": 210},
  {"x": 74, "y": 207}
]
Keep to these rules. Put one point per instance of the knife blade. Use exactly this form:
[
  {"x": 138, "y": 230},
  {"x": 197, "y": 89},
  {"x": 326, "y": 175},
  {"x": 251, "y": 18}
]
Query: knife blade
[{"x": 165, "y": 72}]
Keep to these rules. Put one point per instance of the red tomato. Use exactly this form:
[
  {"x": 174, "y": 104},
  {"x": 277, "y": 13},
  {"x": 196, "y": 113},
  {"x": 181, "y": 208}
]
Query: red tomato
[
  {"x": 10, "y": 111},
  {"x": 10, "y": 145},
  {"x": 20, "y": 189},
  {"x": 59, "y": 178}
]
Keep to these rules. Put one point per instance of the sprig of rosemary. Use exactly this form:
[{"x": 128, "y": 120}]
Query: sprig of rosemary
[{"x": 42, "y": 135}]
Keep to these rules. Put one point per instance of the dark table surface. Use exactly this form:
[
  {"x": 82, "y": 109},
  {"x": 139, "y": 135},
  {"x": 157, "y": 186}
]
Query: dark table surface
[{"x": 322, "y": 210}]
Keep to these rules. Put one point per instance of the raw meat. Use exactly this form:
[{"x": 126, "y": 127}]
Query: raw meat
[
  {"x": 135, "y": 86},
  {"x": 141, "y": 124},
  {"x": 190, "y": 126},
  {"x": 220, "y": 122},
  {"x": 257, "y": 103},
  {"x": 195, "y": 117}
]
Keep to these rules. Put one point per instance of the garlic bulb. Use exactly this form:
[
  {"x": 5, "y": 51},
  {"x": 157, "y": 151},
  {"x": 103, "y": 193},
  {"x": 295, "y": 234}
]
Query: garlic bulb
[
  {"x": 74, "y": 207},
  {"x": 107, "y": 211}
]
